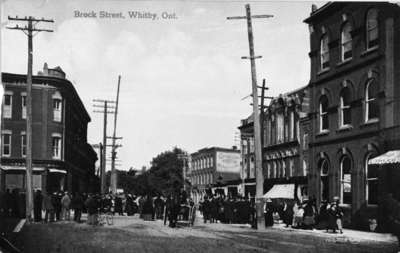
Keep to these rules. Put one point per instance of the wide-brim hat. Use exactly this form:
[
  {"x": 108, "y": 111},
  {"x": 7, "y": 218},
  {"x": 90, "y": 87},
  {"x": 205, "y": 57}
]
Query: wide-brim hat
[
  {"x": 269, "y": 200},
  {"x": 336, "y": 198}
]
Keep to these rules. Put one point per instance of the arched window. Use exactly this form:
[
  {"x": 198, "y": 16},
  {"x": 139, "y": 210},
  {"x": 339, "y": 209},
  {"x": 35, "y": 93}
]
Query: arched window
[
  {"x": 324, "y": 175},
  {"x": 323, "y": 114},
  {"x": 347, "y": 45},
  {"x": 371, "y": 179},
  {"x": 371, "y": 101},
  {"x": 324, "y": 52},
  {"x": 345, "y": 110},
  {"x": 345, "y": 180},
  {"x": 274, "y": 170},
  {"x": 283, "y": 168},
  {"x": 372, "y": 29}
]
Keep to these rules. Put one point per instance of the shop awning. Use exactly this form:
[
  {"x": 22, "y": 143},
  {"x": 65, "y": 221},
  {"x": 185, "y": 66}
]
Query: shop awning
[
  {"x": 57, "y": 171},
  {"x": 9, "y": 168},
  {"x": 280, "y": 191},
  {"x": 389, "y": 157}
]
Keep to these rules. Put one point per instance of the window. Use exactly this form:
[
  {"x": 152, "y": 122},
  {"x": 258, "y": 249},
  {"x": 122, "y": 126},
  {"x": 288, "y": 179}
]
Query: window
[
  {"x": 57, "y": 109},
  {"x": 7, "y": 106},
  {"x": 345, "y": 110},
  {"x": 324, "y": 175},
  {"x": 6, "y": 140},
  {"x": 23, "y": 144},
  {"x": 291, "y": 167},
  {"x": 371, "y": 187},
  {"x": 23, "y": 105},
  {"x": 280, "y": 126},
  {"x": 323, "y": 114},
  {"x": 305, "y": 141},
  {"x": 372, "y": 29},
  {"x": 345, "y": 184},
  {"x": 371, "y": 101},
  {"x": 274, "y": 172},
  {"x": 347, "y": 44},
  {"x": 324, "y": 52},
  {"x": 283, "y": 169},
  {"x": 56, "y": 144},
  {"x": 292, "y": 126}
]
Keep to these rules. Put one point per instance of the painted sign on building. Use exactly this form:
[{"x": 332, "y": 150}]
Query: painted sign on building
[{"x": 228, "y": 162}]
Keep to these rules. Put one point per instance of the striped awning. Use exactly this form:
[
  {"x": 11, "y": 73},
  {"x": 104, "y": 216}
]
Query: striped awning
[
  {"x": 280, "y": 191},
  {"x": 389, "y": 157}
]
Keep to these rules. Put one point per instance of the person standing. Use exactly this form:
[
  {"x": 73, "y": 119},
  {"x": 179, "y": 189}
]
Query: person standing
[
  {"x": 309, "y": 214},
  {"x": 48, "y": 208},
  {"x": 287, "y": 213},
  {"x": 77, "y": 204},
  {"x": 37, "y": 211},
  {"x": 268, "y": 213},
  {"x": 65, "y": 206}
]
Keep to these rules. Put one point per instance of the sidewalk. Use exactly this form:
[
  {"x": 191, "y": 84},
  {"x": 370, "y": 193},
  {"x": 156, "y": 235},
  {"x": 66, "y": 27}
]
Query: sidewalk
[{"x": 349, "y": 235}]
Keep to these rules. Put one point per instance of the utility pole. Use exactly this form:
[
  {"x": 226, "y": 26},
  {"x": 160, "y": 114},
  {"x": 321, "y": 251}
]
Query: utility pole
[
  {"x": 28, "y": 30},
  {"x": 103, "y": 104},
  {"x": 113, "y": 178},
  {"x": 257, "y": 130}
]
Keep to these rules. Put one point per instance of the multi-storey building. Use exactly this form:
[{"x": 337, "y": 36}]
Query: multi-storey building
[
  {"x": 214, "y": 170},
  {"x": 62, "y": 158},
  {"x": 284, "y": 136},
  {"x": 247, "y": 172},
  {"x": 354, "y": 103}
]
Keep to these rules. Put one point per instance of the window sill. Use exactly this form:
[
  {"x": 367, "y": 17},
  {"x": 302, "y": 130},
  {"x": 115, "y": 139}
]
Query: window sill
[
  {"x": 322, "y": 133},
  {"x": 344, "y": 62},
  {"x": 344, "y": 128},
  {"x": 370, "y": 122},
  {"x": 323, "y": 71},
  {"x": 369, "y": 51}
]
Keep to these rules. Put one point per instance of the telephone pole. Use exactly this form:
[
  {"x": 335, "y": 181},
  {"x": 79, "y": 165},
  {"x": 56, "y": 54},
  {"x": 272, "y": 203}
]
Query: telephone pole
[
  {"x": 28, "y": 30},
  {"x": 257, "y": 130},
  {"x": 114, "y": 178},
  {"x": 101, "y": 103}
]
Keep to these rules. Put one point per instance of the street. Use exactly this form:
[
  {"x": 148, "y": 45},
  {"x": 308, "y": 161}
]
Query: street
[{"x": 131, "y": 234}]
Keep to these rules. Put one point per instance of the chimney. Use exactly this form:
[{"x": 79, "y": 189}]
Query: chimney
[{"x": 313, "y": 8}]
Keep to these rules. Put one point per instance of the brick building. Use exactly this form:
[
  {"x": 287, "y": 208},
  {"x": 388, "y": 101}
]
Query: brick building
[
  {"x": 354, "y": 102},
  {"x": 214, "y": 170},
  {"x": 247, "y": 173},
  {"x": 62, "y": 158},
  {"x": 285, "y": 137}
]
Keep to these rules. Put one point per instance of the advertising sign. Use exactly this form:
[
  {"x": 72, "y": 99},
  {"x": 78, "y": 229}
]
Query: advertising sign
[{"x": 228, "y": 162}]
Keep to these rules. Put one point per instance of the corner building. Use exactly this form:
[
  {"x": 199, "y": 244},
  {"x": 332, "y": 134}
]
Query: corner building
[
  {"x": 62, "y": 158},
  {"x": 354, "y": 103}
]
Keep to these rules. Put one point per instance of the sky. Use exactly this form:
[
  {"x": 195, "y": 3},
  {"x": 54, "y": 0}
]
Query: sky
[{"x": 182, "y": 79}]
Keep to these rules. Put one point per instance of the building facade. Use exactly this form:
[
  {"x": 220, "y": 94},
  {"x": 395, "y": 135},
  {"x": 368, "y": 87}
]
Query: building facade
[
  {"x": 62, "y": 158},
  {"x": 214, "y": 170},
  {"x": 354, "y": 102},
  {"x": 247, "y": 173},
  {"x": 284, "y": 139}
]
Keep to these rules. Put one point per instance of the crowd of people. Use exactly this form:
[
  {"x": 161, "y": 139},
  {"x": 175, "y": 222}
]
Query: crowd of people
[
  {"x": 227, "y": 209},
  {"x": 305, "y": 215}
]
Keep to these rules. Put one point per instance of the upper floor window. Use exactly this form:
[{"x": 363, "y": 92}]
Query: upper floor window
[
  {"x": 280, "y": 127},
  {"x": 292, "y": 126},
  {"x": 23, "y": 105},
  {"x": 6, "y": 141},
  {"x": 371, "y": 101},
  {"x": 56, "y": 144},
  {"x": 23, "y": 144},
  {"x": 347, "y": 44},
  {"x": 324, "y": 52},
  {"x": 371, "y": 186},
  {"x": 345, "y": 184},
  {"x": 345, "y": 110},
  {"x": 323, "y": 114},
  {"x": 7, "y": 106},
  {"x": 324, "y": 177},
  {"x": 57, "y": 107},
  {"x": 372, "y": 28}
]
